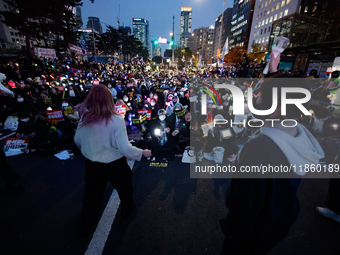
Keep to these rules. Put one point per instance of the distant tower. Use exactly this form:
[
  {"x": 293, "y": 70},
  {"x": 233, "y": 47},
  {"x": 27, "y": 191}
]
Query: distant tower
[
  {"x": 96, "y": 24},
  {"x": 185, "y": 25}
]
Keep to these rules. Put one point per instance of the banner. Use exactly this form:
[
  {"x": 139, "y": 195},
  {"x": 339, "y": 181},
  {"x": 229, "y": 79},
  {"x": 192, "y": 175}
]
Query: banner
[
  {"x": 55, "y": 115},
  {"x": 45, "y": 53},
  {"x": 129, "y": 85},
  {"x": 16, "y": 143},
  {"x": 83, "y": 44},
  {"x": 121, "y": 109},
  {"x": 147, "y": 112},
  {"x": 67, "y": 110},
  {"x": 139, "y": 120},
  {"x": 76, "y": 49},
  {"x": 159, "y": 90},
  {"x": 47, "y": 100}
]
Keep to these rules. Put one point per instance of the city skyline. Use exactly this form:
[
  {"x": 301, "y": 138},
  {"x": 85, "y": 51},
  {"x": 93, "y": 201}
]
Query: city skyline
[{"x": 204, "y": 14}]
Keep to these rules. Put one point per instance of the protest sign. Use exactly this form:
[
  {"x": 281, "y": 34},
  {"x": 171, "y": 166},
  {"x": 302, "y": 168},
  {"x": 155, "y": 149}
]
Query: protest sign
[{"x": 55, "y": 115}]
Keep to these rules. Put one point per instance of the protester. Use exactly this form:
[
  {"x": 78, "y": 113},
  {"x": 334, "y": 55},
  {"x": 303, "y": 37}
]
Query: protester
[
  {"x": 263, "y": 207},
  {"x": 102, "y": 138}
]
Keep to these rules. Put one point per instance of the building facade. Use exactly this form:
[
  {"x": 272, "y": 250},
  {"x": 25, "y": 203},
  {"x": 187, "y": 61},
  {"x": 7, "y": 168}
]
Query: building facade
[
  {"x": 185, "y": 26},
  {"x": 265, "y": 13},
  {"x": 140, "y": 29},
  {"x": 241, "y": 23},
  {"x": 9, "y": 37},
  {"x": 156, "y": 49},
  {"x": 94, "y": 22},
  {"x": 77, "y": 13},
  {"x": 219, "y": 41}
]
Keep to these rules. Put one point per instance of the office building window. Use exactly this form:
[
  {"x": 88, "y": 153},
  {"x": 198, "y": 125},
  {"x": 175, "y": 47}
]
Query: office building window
[
  {"x": 254, "y": 34},
  {"x": 268, "y": 11},
  {"x": 265, "y": 30},
  {"x": 263, "y": 39},
  {"x": 258, "y": 32},
  {"x": 275, "y": 17},
  {"x": 13, "y": 39},
  {"x": 268, "y": 29},
  {"x": 266, "y": 3},
  {"x": 314, "y": 9},
  {"x": 270, "y": 1},
  {"x": 262, "y": 22},
  {"x": 267, "y": 21},
  {"x": 271, "y": 19},
  {"x": 256, "y": 41},
  {"x": 286, "y": 13},
  {"x": 257, "y": 16},
  {"x": 261, "y": 31},
  {"x": 12, "y": 33},
  {"x": 261, "y": 15},
  {"x": 280, "y": 16},
  {"x": 267, "y": 39},
  {"x": 256, "y": 25},
  {"x": 288, "y": 1},
  {"x": 306, "y": 8},
  {"x": 277, "y": 6},
  {"x": 283, "y": 3},
  {"x": 265, "y": 12},
  {"x": 273, "y": 9},
  {"x": 259, "y": 24}
]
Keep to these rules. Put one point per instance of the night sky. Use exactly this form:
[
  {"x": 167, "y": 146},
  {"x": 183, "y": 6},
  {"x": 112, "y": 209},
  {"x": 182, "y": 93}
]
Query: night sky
[{"x": 158, "y": 12}]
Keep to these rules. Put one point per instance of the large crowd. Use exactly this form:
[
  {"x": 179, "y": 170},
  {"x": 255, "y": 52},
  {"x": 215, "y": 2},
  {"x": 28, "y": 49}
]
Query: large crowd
[{"x": 161, "y": 104}]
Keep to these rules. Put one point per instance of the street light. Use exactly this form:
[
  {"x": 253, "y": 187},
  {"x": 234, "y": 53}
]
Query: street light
[{"x": 171, "y": 34}]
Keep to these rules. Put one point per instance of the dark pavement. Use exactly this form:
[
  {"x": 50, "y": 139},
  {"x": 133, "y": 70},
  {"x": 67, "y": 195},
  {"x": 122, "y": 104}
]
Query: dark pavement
[{"x": 174, "y": 214}]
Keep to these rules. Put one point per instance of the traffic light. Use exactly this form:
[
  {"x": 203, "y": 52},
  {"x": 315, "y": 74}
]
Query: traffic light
[
  {"x": 155, "y": 42},
  {"x": 171, "y": 43}
]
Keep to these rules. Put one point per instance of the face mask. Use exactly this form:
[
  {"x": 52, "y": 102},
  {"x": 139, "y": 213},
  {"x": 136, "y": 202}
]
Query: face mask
[
  {"x": 125, "y": 99},
  {"x": 162, "y": 117},
  {"x": 151, "y": 95},
  {"x": 25, "y": 120},
  {"x": 133, "y": 90},
  {"x": 181, "y": 93},
  {"x": 153, "y": 103},
  {"x": 109, "y": 86},
  {"x": 64, "y": 104},
  {"x": 20, "y": 100}
]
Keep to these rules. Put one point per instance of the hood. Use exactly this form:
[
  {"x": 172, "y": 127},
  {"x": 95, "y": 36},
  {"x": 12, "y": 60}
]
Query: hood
[{"x": 299, "y": 150}]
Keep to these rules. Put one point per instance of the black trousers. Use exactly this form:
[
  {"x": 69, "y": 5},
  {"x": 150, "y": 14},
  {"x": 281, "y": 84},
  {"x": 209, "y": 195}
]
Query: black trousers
[
  {"x": 7, "y": 172},
  {"x": 119, "y": 174}
]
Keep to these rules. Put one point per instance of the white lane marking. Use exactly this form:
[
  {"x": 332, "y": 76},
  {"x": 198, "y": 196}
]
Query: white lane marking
[{"x": 103, "y": 229}]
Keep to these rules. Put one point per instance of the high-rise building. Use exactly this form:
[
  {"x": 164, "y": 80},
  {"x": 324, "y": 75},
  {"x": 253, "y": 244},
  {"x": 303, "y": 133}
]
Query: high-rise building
[
  {"x": 185, "y": 25},
  {"x": 156, "y": 49},
  {"x": 201, "y": 43},
  {"x": 126, "y": 30},
  {"x": 9, "y": 37},
  {"x": 140, "y": 29},
  {"x": 94, "y": 22},
  {"x": 265, "y": 13},
  {"x": 241, "y": 22},
  {"x": 77, "y": 13},
  {"x": 218, "y": 40}
]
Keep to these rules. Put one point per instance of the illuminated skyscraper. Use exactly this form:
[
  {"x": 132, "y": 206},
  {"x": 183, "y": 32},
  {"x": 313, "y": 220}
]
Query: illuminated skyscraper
[
  {"x": 185, "y": 25},
  {"x": 140, "y": 29}
]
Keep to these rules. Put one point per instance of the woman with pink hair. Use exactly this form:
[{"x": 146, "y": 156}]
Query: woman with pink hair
[{"x": 102, "y": 138}]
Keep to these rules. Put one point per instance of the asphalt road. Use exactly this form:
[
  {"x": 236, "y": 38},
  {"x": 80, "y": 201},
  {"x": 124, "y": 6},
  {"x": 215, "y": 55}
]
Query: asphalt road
[{"x": 174, "y": 214}]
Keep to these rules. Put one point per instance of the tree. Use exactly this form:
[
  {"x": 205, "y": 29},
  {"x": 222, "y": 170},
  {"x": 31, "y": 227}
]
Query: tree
[
  {"x": 34, "y": 18},
  {"x": 235, "y": 55}
]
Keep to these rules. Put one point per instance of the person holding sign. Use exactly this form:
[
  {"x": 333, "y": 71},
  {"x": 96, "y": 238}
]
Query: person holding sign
[
  {"x": 102, "y": 138},
  {"x": 160, "y": 133}
]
